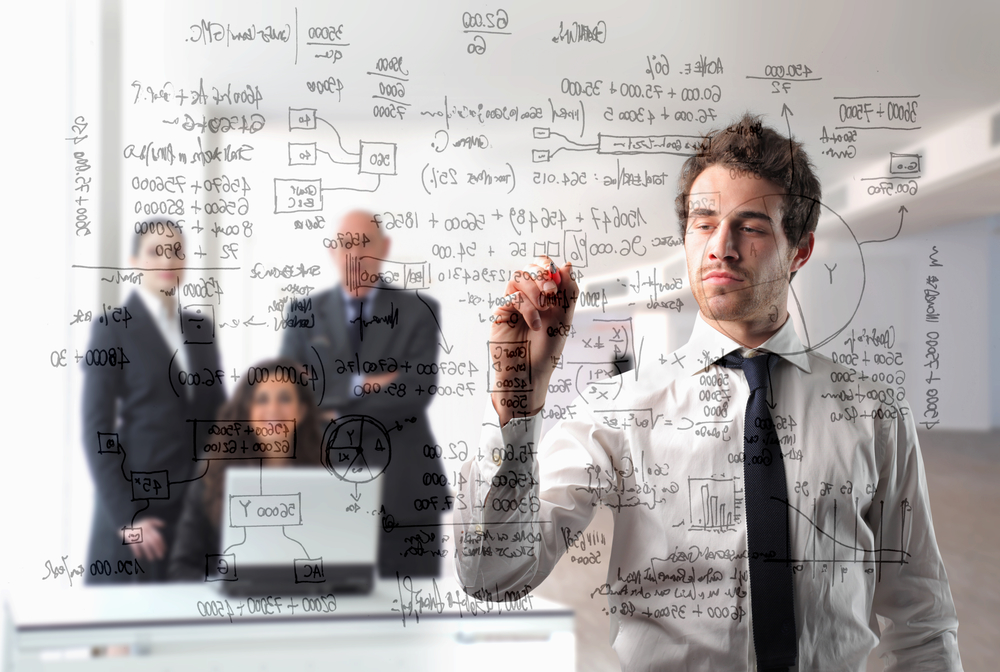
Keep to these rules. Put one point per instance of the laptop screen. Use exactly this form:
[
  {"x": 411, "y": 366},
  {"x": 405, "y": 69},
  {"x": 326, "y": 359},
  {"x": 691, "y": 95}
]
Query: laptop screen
[{"x": 304, "y": 523}]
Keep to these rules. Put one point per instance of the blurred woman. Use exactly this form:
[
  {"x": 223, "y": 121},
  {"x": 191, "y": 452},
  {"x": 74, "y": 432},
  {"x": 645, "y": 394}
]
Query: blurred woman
[{"x": 199, "y": 529}]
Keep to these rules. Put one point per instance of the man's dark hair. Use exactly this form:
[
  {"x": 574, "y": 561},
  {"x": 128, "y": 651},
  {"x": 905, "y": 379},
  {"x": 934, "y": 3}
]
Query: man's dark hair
[
  {"x": 155, "y": 225},
  {"x": 761, "y": 152}
]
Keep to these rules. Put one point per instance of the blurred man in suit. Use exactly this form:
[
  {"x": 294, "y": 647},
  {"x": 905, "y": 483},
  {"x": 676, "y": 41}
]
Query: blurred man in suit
[
  {"x": 378, "y": 347},
  {"x": 141, "y": 385}
]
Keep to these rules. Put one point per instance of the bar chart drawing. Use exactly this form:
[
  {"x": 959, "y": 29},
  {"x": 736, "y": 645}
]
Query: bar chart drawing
[{"x": 716, "y": 504}]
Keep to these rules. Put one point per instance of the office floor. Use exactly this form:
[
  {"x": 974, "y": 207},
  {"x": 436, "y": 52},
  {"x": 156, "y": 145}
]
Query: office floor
[{"x": 963, "y": 477}]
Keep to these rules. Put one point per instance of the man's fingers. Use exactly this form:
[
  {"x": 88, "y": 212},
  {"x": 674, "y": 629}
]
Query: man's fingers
[
  {"x": 532, "y": 291},
  {"x": 544, "y": 274},
  {"x": 514, "y": 308}
]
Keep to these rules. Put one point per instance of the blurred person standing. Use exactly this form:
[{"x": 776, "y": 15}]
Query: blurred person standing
[
  {"x": 136, "y": 433},
  {"x": 377, "y": 344}
]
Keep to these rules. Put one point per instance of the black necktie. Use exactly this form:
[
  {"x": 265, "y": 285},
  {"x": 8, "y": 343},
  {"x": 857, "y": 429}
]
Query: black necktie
[
  {"x": 354, "y": 327},
  {"x": 765, "y": 496}
]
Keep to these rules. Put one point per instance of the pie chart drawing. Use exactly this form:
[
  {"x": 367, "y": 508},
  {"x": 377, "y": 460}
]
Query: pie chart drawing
[{"x": 356, "y": 448}]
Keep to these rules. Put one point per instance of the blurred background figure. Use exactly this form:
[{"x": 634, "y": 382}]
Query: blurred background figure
[
  {"x": 378, "y": 346},
  {"x": 199, "y": 530},
  {"x": 136, "y": 432}
]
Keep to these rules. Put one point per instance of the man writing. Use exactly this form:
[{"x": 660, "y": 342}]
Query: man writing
[{"x": 777, "y": 505}]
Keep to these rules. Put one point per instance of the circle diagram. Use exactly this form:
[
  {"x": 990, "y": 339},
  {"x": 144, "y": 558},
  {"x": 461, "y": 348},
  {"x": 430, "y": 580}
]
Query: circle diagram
[{"x": 356, "y": 448}]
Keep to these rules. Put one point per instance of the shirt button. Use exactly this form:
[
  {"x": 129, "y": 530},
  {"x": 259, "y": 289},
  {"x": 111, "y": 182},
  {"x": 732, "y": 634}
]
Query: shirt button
[
  {"x": 479, "y": 529},
  {"x": 497, "y": 459}
]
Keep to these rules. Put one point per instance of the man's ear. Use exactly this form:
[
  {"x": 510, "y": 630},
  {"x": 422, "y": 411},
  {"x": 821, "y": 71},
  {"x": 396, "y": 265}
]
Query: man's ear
[{"x": 802, "y": 253}]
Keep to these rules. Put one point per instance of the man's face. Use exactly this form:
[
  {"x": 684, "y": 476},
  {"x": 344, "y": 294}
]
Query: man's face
[
  {"x": 360, "y": 241},
  {"x": 738, "y": 258},
  {"x": 162, "y": 255}
]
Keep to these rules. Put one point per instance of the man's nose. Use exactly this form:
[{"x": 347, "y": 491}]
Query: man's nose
[{"x": 722, "y": 245}]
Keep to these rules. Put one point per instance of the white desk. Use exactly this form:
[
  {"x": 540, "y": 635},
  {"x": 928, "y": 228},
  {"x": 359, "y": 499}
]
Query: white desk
[{"x": 423, "y": 626}]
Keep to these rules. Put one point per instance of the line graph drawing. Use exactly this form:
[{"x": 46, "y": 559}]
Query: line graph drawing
[{"x": 823, "y": 550}]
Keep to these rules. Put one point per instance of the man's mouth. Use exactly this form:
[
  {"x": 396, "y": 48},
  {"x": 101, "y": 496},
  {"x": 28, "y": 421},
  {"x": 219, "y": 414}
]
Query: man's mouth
[{"x": 722, "y": 278}]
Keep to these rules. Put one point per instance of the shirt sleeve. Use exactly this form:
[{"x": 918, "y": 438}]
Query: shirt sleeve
[
  {"x": 525, "y": 505},
  {"x": 912, "y": 595}
]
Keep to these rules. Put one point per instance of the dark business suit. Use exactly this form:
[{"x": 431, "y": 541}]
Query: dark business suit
[
  {"x": 136, "y": 400},
  {"x": 402, "y": 327}
]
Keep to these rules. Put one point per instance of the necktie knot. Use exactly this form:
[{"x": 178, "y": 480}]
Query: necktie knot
[{"x": 756, "y": 369}]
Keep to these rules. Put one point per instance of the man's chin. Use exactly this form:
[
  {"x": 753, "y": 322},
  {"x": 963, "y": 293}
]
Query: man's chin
[{"x": 724, "y": 308}]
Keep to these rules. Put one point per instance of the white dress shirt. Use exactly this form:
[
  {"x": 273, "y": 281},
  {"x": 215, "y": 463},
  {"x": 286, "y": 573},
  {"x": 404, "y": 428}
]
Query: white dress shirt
[
  {"x": 168, "y": 323},
  {"x": 665, "y": 455}
]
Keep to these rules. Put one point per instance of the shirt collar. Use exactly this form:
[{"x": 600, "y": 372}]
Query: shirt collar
[
  {"x": 367, "y": 303},
  {"x": 707, "y": 345}
]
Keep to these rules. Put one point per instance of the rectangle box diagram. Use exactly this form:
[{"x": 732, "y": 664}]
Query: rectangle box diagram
[
  {"x": 309, "y": 570},
  {"x": 131, "y": 535},
  {"x": 198, "y": 323},
  {"x": 236, "y": 440},
  {"x": 904, "y": 164},
  {"x": 297, "y": 195},
  {"x": 301, "y": 153},
  {"x": 302, "y": 118},
  {"x": 393, "y": 274},
  {"x": 220, "y": 567},
  {"x": 378, "y": 158},
  {"x": 150, "y": 485},
  {"x": 265, "y": 510},
  {"x": 647, "y": 144},
  {"x": 107, "y": 442},
  {"x": 547, "y": 248},
  {"x": 510, "y": 357},
  {"x": 416, "y": 275}
]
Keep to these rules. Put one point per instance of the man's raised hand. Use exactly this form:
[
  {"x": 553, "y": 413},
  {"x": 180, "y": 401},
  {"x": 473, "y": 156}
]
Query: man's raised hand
[{"x": 529, "y": 331}]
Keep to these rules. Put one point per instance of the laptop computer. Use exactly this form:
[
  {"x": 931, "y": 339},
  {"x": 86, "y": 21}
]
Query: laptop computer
[{"x": 296, "y": 531}]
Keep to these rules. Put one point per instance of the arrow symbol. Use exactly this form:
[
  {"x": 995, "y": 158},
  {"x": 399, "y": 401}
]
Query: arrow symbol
[
  {"x": 357, "y": 495},
  {"x": 902, "y": 211},
  {"x": 444, "y": 346}
]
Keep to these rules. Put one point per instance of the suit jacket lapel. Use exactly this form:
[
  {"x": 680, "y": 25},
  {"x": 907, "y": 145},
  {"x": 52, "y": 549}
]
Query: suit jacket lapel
[{"x": 336, "y": 325}]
